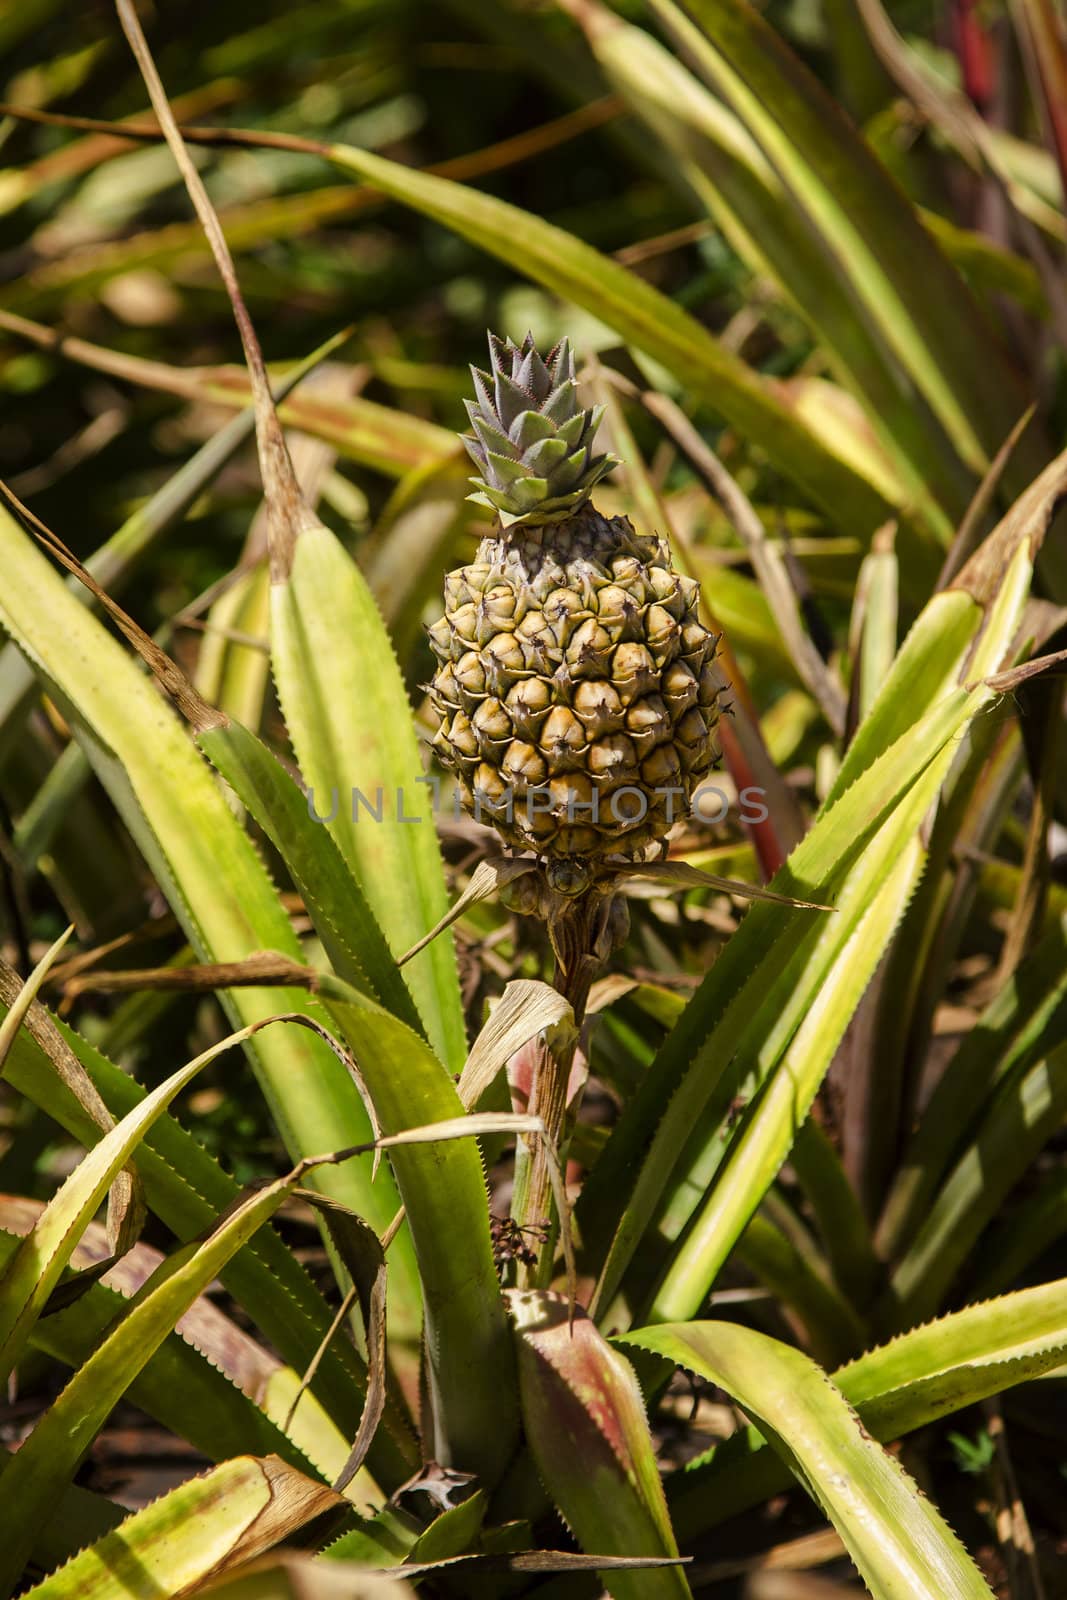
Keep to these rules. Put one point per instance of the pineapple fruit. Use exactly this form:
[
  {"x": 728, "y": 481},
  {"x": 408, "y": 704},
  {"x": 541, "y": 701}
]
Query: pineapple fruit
[{"x": 576, "y": 697}]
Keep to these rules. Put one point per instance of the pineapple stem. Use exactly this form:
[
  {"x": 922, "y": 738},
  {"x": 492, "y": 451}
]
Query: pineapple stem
[{"x": 574, "y": 928}]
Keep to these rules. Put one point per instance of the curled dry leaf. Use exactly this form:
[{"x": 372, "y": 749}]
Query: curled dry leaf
[{"x": 526, "y": 1008}]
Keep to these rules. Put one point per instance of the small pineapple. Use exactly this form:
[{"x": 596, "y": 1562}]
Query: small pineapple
[{"x": 575, "y": 691}]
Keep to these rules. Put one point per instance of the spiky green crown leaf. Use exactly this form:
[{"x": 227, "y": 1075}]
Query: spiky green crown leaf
[{"x": 533, "y": 440}]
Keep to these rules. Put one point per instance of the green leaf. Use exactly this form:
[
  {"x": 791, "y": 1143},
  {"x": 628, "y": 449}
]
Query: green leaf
[
  {"x": 453, "y": 1532},
  {"x": 350, "y": 721},
  {"x": 118, "y": 559},
  {"x": 873, "y": 625},
  {"x": 184, "y": 1387},
  {"x": 832, "y": 1329},
  {"x": 1018, "y": 1121},
  {"x": 334, "y": 899},
  {"x": 918, "y": 1377},
  {"x": 899, "y": 1542},
  {"x": 740, "y": 1021},
  {"x": 26, "y": 1017},
  {"x": 868, "y": 910},
  {"x": 295, "y": 1577},
  {"x": 224, "y": 1517},
  {"x": 218, "y": 887},
  {"x": 37, "y": 1264},
  {"x": 50, "y": 1456},
  {"x": 231, "y": 674},
  {"x": 79, "y": 1518},
  {"x": 585, "y": 1424},
  {"x": 739, "y": 173},
  {"x": 1027, "y": 1016},
  {"x": 738, "y": 1000},
  {"x": 978, "y": 1351},
  {"x": 642, "y": 316},
  {"x": 469, "y": 1363},
  {"x": 874, "y": 240},
  {"x": 926, "y": 664},
  {"x": 187, "y": 1188},
  {"x": 988, "y": 267},
  {"x": 383, "y": 1540},
  {"x": 27, "y": 993}
]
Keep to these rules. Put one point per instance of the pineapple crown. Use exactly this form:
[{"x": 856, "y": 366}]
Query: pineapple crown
[{"x": 533, "y": 441}]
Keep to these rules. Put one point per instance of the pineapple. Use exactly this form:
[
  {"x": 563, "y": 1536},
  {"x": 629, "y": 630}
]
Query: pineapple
[{"x": 575, "y": 691}]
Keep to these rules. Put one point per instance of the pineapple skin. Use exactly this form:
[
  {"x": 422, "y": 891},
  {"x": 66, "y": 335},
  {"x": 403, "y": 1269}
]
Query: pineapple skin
[{"x": 575, "y": 691}]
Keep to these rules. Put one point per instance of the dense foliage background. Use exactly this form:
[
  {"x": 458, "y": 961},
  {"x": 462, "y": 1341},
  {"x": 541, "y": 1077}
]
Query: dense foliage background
[{"x": 114, "y": 330}]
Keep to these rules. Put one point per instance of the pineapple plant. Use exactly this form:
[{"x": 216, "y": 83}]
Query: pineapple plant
[
  {"x": 705, "y": 1219},
  {"x": 575, "y": 689}
]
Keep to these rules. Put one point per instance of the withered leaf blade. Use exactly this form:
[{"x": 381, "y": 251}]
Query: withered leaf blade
[
  {"x": 526, "y": 1008},
  {"x": 681, "y": 875},
  {"x": 1012, "y": 677},
  {"x": 267, "y": 968},
  {"x": 539, "y": 1561},
  {"x": 487, "y": 878},
  {"x": 446, "y": 1487},
  {"x": 1027, "y": 521}
]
